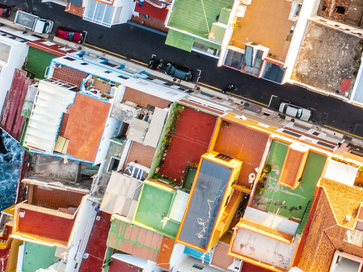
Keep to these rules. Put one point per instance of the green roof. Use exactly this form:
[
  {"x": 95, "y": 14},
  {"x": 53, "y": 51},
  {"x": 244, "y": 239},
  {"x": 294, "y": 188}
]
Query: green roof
[
  {"x": 224, "y": 16},
  {"x": 38, "y": 61},
  {"x": 179, "y": 40},
  {"x": 197, "y": 16},
  {"x": 38, "y": 256},
  {"x": 155, "y": 202},
  {"x": 282, "y": 200},
  {"x": 217, "y": 32}
]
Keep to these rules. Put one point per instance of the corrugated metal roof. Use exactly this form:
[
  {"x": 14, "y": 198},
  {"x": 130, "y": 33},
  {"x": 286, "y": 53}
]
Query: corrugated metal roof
[
  {"x": 50, "y": 103},
  {"x": 196, "y": 16}
]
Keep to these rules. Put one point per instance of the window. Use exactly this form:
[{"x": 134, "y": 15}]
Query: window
[{"x": 354, "y": 237}]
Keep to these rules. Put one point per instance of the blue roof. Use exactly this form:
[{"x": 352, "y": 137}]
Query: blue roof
[{"x": 204, "y": 204}]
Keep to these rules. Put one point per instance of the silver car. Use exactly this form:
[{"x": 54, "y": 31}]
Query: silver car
[{"x": 295, "y": 111}]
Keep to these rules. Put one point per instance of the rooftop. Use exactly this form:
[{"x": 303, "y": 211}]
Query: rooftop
[
  {"x": 196, "y": 17},
  {"x": 266, "y": 23},
  {"x": 143, "y": 154},
  {"x": 154, "y": 205},
  {"x": 48, "y": 170},
  {"x": 329, "y": 229},
  {"x": 38, "y": 256},
  {"x": 194, "y": 130},
  {"x": 143, "y": 99},
  {"x": 43, "y": 227},
  {"x": 134, "y": 240},
  {"x": 243, "y": 143},
  {"x": 327, "y": 56},
  {"x": 152, "y": 11},
  {"x": 348, "y": 12},
  {"x": 40, "y": 54},
  {"x": 279, "y": 199},
  {"x": 204, "y": 203},
  {"x": 85, "y": 126},
  {"x": 263, "y": 248},
  {"x": 96, "y": 246}
]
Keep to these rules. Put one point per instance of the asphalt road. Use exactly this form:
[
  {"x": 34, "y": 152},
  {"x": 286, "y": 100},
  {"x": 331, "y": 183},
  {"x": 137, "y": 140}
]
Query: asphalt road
[{"x": 139, "y": 44}]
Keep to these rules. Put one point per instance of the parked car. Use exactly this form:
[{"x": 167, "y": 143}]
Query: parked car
[
  {"x": 70, "y": 34},
  {"x": 5, "y": 10},
  {"x": 295, "y": 111},
  {"x": 178, "y": 71}
]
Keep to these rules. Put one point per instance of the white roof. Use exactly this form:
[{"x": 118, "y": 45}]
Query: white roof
[
  {"x": 49, "y": 106},
  {"x": 156, "y": 127},
  {"x": 118, "y": 188},
  {"x": 264, "y": 249},
  {"x": 341, "y": 172}
]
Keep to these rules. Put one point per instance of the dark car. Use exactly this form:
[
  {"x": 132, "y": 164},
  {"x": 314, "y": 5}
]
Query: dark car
[
  {"x": 5, "y": 10},
  {"x": 178, "y": 71},
  {"x": 70, "y": 34}
]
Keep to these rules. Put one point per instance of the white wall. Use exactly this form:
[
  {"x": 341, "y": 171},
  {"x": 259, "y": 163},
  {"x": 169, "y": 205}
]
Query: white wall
[
  {"x": 127, "y": 10},
  {"x": 18, "y": 54},
  {"x": 80, "y": 233},
  {"x": 110, "y": 127},
  {"x": 178, "y": 256}
]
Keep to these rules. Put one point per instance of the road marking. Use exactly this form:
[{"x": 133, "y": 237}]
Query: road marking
[
  {"x": 251, "y": 100},
  {"x": 101, "y": 49},
  {"x": 342, "y": 131},
  {"x": 139, "y": 62},
  {"x": 209, "y": 86}
]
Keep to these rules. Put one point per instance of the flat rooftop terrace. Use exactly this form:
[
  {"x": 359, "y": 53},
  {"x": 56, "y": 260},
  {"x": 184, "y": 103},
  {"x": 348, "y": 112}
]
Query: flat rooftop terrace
[
  {"x": 190, "y": 141},
  {"x": 282, "y": 200},
  {"x": 244, "y": 144},
  {"x": 155, "y": 204},
  {"x": 326, "y": 57},
  {"x": 267, "y": 23}
]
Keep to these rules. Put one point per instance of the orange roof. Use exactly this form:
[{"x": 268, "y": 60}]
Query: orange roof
[
  {"x": 293, "y": 167},
  {"x": 328, "y": 228},
  {"x": 85, "y": 126}
]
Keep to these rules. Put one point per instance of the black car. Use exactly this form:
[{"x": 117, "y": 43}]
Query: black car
[{"x": 179, "y": 72}]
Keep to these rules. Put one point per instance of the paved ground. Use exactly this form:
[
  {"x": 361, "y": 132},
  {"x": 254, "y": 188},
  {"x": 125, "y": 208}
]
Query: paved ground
[{"x": 139, "y": 44}]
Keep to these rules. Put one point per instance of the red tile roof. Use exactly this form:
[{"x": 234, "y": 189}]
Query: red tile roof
[
  {"x": 85, "y": 126},
  {"x": 328, "y": 227},
  {"x": 53, "y": 48},
  {"x": 11, "y": 119}
]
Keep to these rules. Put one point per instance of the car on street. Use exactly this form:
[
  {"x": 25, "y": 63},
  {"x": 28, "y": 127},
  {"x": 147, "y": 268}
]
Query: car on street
[
  {"x": 179, "y": 72},
  {"x": 295, "y": 111},
  {"x": 70, "y": 34},
  {"x": 5, "y": 10}
]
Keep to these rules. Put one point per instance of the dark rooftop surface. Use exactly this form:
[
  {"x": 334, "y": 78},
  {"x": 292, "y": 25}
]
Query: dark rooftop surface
[{"x": 204, "y": 204}]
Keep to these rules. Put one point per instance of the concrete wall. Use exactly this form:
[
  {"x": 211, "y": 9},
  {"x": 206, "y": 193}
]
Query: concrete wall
[
  {"x": 80, "y": 234},
  {"x": 110, "y": 128}
]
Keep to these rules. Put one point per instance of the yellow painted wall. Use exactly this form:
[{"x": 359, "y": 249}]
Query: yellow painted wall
[{"x": 15, "y": 244}]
